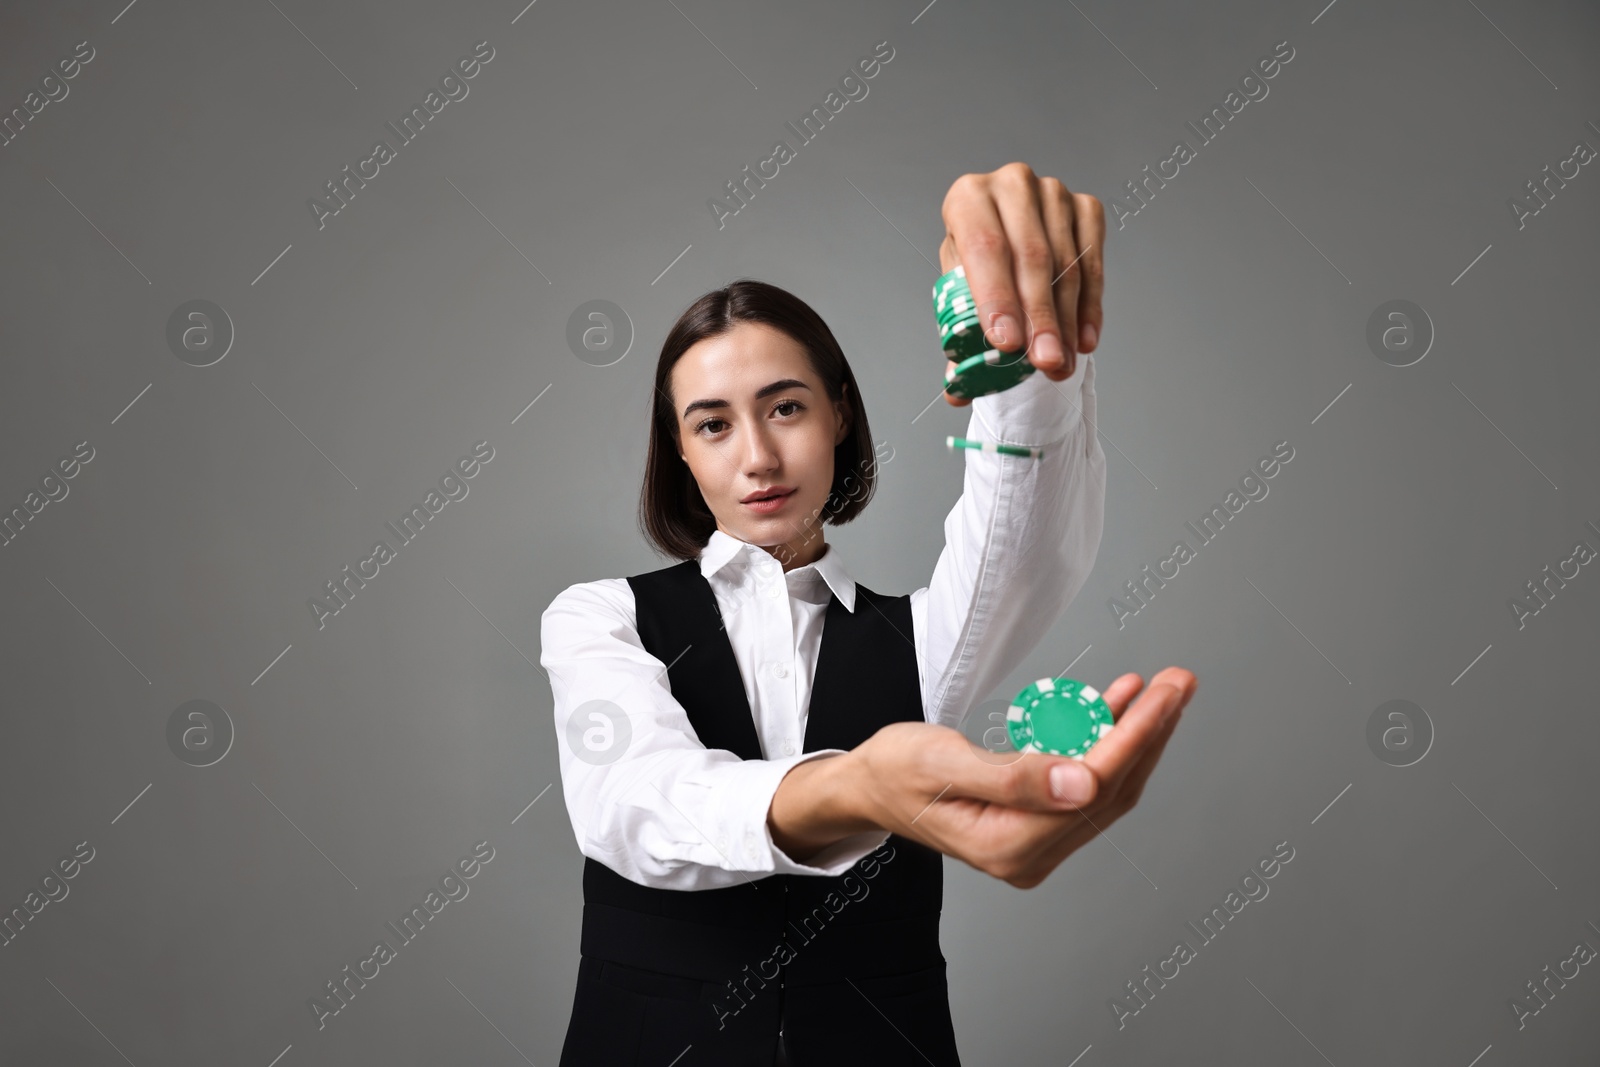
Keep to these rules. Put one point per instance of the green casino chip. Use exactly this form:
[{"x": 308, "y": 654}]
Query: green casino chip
[
  {"x": 956, "y": 275},
  {"x": 960, "y": 334},
  {"x": 976, "y": 368},
  {"x": 964, "y": 342},
  {"x": 1060, "y": 716},
  {"x": 985, "y": 373}
]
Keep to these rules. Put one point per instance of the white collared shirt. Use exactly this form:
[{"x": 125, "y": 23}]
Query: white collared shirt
[{"x": 667, "y": 812}]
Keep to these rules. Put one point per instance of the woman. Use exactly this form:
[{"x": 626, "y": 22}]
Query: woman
[{"x": 759, "y": 760}]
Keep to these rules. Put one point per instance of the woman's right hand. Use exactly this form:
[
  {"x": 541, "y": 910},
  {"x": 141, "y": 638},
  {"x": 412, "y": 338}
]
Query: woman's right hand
[{"x": 1000, "y": 814}]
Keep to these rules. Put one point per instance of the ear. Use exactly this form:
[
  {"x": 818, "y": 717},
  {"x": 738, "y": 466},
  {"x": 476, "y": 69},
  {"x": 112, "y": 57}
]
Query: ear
[{"x": 843, "y": 409}]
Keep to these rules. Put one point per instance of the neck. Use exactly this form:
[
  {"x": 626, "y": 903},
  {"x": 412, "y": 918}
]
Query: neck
[{"x": 798, "y": 555}]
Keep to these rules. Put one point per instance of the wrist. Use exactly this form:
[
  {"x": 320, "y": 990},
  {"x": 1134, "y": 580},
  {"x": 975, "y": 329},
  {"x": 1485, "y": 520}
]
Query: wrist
[
  {"x": 818, "y": 802},
  {"x": 1037, "y": 413},
  {"x": 846, "y": 794}
]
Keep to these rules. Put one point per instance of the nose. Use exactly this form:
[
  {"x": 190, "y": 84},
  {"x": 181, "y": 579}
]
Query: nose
[{"x": 759, "y": 454}]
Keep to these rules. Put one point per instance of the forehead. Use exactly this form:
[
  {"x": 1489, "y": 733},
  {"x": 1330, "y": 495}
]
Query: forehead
[{"x": 738, "y": 362}]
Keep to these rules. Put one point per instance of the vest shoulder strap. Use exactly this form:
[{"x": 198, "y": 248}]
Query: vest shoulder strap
[{"x": 680, "y": 623}]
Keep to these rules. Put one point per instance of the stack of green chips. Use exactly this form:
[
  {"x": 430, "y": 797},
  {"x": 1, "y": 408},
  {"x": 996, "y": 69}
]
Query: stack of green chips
[
  {"x": 1061, "y": 716},
  {"x": 976, "y": 369}
]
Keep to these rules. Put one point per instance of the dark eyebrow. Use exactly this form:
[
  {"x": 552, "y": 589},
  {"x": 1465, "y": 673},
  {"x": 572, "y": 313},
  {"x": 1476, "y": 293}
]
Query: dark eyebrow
[{"x": 765, "y": 391}]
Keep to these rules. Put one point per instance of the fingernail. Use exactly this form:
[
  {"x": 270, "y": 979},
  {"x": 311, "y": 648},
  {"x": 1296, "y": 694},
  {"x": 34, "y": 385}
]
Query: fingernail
[
  {"x": 1005, "y": 331},
  {"x": 1048, "y": 348},
  {"x": 1090, "y": 336},
  {"x": 1071, "y": 782}
]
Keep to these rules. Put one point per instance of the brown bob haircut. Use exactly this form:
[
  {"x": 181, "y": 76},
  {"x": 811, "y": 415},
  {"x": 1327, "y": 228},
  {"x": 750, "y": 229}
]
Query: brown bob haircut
[{"x": 672, "y": 512}]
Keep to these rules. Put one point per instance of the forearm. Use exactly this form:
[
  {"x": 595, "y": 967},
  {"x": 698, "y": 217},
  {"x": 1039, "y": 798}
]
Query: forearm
[
  {"x": 666, "y": 812},
  {"x": 818, "y": 803},
  {"x": 1019, "y": 543}
]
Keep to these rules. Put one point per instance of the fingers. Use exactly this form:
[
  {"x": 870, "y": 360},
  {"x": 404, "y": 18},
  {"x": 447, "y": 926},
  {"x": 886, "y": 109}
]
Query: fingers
[
  {"x": 936, "y": 787},
  {"x": 1011, "y": 261},
  {"x": 1039, "y": 782},
  {"x": 1133, "y": 785},
  {"x": 1085, "y": 825},
  {"x": 1090, "y": 214},
  {"x": 1120, "y": 692},
  {"x": 973, "y": 222},
  {"x": 1032, "y": 252},
  {"x": 1020, "y": 198},
  {"x": 1030, "y": 828},
  {"x": 1179, "y": 679},
  {"x": 1056, "y": 207},
  {"x": 972, "y": 239},
  {"x": 1114, "y": 755},
  {"x": 1018, "y": 236}
]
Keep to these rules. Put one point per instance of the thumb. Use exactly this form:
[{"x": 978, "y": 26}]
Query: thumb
[
  {"x": 1030, "y": 781},
  {"x": 1071, "y": 783},
  {"x": 1041, "y": 782}
]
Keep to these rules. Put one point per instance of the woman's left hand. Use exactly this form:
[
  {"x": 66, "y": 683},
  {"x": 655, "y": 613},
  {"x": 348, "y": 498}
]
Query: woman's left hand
[{"x": 1032, "y": 252}]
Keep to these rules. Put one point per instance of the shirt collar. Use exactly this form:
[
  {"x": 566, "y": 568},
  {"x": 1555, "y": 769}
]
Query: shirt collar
[{"x": 723, "y": 549}]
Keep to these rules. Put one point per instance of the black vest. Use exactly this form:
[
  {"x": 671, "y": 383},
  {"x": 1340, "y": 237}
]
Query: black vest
[{"x": 866, "y": 677}]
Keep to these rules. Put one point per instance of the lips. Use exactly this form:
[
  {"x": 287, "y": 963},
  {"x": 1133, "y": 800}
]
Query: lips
[{"x": 768, "y": 502}]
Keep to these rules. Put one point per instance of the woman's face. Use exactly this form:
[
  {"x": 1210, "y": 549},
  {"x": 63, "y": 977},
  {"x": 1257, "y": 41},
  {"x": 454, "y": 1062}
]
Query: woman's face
[{"x": 753, "y": 418}]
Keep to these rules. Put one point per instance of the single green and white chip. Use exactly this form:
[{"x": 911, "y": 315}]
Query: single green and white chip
[
  {"x": 964, "y": 342},
  {"x": 987, "y": 372},
  {"x": 1059, "y": 716}
]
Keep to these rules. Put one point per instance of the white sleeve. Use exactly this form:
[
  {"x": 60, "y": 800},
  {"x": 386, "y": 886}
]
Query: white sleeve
[
  {"x": 663, "y": 811},
  {"x": 1019, "y": 543}
]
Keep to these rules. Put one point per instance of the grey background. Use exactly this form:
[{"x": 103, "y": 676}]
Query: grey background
[{"x": 375, "y": 752}]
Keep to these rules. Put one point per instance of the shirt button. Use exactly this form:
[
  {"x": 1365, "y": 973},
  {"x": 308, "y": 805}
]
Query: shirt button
[
  {"x": 780, "y": 670},
  {"x": 788, "y": 748},
  {"x": 772, "y": 591}
]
